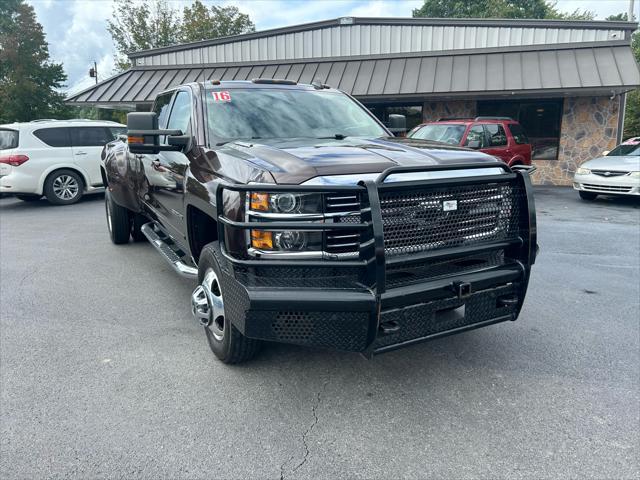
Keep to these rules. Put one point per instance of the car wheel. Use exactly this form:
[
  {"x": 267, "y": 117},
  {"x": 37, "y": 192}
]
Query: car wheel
[
  {"x": 207, "y": 302},
  {"x": 136, "y": 226},
  {"x": 118, "y": 220},
  {"x": 63, "y": 187},
  {"x": 587, "y": 195},
  {"x": 29, "y": 198}
]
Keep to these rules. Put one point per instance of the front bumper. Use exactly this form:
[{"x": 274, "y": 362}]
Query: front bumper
[
  {"x": 618, "y": 185},
  {"x": 354, "y": 319},
  {"x": 361, "y": 306}
]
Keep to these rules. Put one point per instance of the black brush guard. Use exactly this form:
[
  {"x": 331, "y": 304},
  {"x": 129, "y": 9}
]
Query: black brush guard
[{"x": 363, "y": 314}]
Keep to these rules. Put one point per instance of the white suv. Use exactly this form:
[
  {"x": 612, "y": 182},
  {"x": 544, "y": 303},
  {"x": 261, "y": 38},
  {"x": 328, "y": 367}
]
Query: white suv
[{"x": 59, "y": 159}]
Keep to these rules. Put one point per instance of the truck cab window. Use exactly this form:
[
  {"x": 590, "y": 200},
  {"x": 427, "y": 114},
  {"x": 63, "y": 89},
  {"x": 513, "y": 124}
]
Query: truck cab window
[
  {"x": 161, "y": 107},
  {"x": 180, "y": 117}
]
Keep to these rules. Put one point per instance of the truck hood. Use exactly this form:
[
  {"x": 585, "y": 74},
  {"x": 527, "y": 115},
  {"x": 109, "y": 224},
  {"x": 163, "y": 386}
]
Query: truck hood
[{"x": 294, "y": 161}]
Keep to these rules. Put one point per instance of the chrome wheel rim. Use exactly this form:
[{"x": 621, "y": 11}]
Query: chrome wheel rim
[
  {"x": 65, "y": 187},
  {"x": 207, "y": 304}
]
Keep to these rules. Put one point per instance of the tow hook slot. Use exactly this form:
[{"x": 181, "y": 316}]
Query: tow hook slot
[
  {"x": 508, "y": 301},
  {"x": 462, "y": 289},
  {"x": 387, "y": 328}
]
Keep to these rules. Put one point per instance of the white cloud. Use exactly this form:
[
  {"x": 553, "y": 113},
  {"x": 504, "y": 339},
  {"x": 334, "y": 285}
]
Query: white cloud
[
  {"x": 602, "y": 8},
  {"x": 385, "y": 8},
  {"x": 77, "y": 35}
]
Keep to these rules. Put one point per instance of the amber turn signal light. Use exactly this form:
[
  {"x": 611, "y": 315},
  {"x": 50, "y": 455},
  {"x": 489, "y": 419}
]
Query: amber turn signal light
[
  {"x": 261, "y": 239},
  {"x": 132, "y": 139},
  {"x": 259, "y": 201}
]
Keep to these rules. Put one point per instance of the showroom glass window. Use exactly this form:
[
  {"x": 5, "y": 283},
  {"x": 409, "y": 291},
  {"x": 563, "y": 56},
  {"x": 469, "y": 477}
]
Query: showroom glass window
[
  {"x": 413, "y": 113},
  {"x": 540, "y": 120}
]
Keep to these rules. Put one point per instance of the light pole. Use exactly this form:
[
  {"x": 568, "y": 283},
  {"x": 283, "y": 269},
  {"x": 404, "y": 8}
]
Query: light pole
[{"x": 93, "y": 72}]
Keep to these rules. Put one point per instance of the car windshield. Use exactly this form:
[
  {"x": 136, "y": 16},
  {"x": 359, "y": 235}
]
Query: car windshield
[
  {"x": 286, "y": 113},
  {"x": 8, "y": 139},
  {"x": 632, "y": 148},
  {"x": 440, "y": 132}
]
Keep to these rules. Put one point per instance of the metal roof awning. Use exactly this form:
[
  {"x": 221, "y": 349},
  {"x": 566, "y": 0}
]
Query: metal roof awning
[{"x": 538, "y": 70}]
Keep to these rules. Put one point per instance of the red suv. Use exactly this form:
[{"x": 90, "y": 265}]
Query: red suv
[{"x": 502, "y": 137}]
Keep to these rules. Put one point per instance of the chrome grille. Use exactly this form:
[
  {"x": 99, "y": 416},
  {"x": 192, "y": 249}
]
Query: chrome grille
[
  {"x": 608, "y": 173},
  {"x": 431, "y": 219},
  {"x": 607, "y": 188},
  {"x": 342, "y": 209}
]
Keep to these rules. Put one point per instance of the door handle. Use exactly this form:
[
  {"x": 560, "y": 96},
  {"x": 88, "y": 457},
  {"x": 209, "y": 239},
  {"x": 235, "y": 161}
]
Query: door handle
[
  {"x": 81, "y": 153},
  {"x": 157, "y": 166}
]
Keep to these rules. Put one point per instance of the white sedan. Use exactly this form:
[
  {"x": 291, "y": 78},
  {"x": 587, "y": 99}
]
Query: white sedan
[{"x": 615, "y": 173}]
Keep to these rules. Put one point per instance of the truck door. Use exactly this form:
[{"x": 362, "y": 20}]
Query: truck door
[{"x": 167, "y": 169}]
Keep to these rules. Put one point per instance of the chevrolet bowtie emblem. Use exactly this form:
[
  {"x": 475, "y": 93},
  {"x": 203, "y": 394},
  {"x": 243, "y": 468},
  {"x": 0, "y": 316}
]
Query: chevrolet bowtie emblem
[{"x": 449, "y": 205}]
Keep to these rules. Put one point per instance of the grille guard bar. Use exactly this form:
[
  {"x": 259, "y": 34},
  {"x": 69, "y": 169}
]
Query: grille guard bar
[{"x": 372, "y": 258}]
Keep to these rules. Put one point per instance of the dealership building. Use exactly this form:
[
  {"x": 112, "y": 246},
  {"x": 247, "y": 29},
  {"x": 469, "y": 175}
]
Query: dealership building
[{"x": 564, "y": 81}]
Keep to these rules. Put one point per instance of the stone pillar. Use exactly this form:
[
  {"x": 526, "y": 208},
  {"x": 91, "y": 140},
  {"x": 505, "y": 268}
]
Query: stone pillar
[
  {"x": 589, "y": 127},
  {"x": 433, "y": 110}
]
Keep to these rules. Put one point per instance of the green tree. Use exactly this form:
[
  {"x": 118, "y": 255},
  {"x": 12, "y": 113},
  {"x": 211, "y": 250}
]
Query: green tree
[
  {"x": 497, "y": 9},
  {"x": 632, "y": 109},
  {"x": 140, "y": 26},
  {"x": 154, "y": 23},
  {"x": 201, "y": 23},
  {"x": 29, "y": 81}
]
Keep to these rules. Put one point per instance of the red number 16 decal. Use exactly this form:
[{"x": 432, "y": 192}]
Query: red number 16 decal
[{"x": 221, "y": 96}]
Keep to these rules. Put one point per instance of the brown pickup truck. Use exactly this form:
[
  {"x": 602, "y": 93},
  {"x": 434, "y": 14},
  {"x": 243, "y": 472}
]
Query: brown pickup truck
[{"x": 304, "y": 220}]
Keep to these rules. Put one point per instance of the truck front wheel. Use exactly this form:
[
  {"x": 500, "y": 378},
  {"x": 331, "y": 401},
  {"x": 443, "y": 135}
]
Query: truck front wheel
[
  {"x": 226, "y": 342},
  {"x": 118, "y": 220}
]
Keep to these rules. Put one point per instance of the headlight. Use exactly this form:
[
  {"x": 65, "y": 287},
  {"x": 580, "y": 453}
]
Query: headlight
[
  {"x": 634, "y": 174},
  {"x": 285, "y": 207},
  {"x": 583, "y": 171},
  {"x": 285, "y": 202}
]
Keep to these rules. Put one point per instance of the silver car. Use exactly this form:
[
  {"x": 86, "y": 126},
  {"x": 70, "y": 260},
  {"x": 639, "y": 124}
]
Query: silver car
[{"x": 615, "y": 173}]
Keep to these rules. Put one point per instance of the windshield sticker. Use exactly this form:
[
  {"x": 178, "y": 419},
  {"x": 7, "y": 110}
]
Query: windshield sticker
[{"x": 221, "y": 96}]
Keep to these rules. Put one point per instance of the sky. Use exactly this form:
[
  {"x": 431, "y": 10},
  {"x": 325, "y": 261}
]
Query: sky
[{"x": 77, "y": 34}]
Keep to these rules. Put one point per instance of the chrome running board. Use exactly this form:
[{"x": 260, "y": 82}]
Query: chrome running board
[{"x": 164, "y": 245}]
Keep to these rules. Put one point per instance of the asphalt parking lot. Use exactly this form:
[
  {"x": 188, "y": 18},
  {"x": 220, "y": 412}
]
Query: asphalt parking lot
[{"x": 103, "y": 372}]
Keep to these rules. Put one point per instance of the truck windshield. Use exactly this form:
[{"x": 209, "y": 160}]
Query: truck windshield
[
  {"x": 441, "y": 132},
  {"x": 279, "y": 113}
]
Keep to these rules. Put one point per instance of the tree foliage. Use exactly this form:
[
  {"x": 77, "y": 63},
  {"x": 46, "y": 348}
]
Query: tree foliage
[
  {"x": 632, "y": 109},
  {"x": 497, "y": 9},
  {"x": 29, "y": 81},
  {"x": 155, "y": 24},
  {"x": 150, "y": 24},
  {"x": 200, "y": 23}
]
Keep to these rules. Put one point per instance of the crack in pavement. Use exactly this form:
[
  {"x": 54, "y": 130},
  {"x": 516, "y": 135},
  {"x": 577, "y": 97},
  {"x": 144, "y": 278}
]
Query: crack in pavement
[{"x": 305, "y": 434}]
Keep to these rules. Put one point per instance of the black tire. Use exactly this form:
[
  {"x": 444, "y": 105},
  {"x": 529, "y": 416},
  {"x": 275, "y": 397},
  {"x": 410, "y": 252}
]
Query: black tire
[
  {"x": 136, "y": 224},
  {"x": 28, "y": 198},
  {"x": 587, "y": 195},
  {"x": 118, "y": 220},
  {"x": 63, "y": 187},
  {"x": 233, "y": 347}
]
